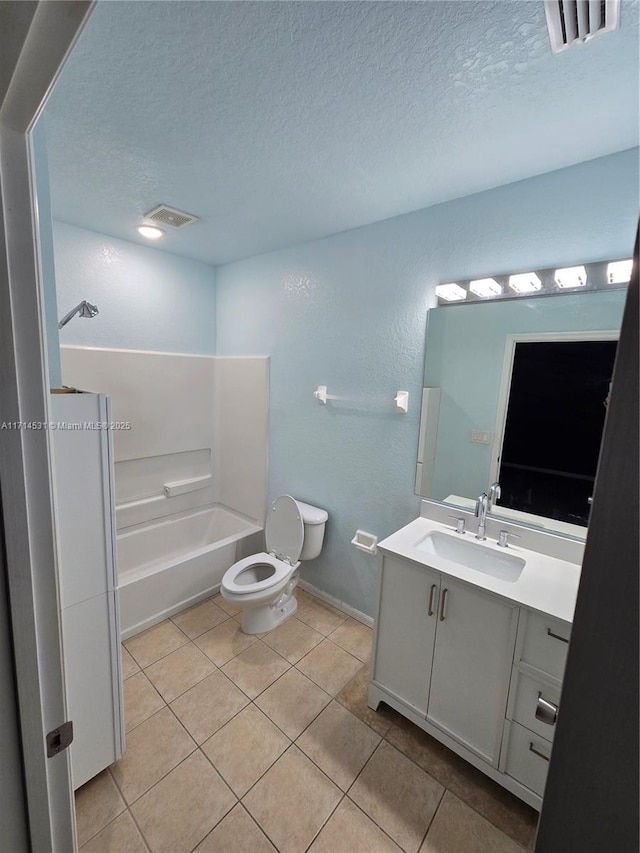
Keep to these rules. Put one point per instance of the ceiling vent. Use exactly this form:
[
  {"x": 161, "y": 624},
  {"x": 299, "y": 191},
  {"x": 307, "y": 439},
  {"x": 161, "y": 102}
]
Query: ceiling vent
[
  {"x": 169, "y": 216},
  {"x": 576, "y": 21}
]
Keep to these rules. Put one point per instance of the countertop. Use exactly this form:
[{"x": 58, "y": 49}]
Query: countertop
[{"x": 546, "y": 584}]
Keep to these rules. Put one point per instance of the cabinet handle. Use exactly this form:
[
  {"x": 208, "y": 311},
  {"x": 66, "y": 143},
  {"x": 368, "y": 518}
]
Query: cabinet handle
[
  {"x": 536, "y": 752},
  {"x": 556, "y": 636},
  {"x": 443, "y": 604},
  {"x": 546, "y": 711},
  {"x": 431, "y": 598}
]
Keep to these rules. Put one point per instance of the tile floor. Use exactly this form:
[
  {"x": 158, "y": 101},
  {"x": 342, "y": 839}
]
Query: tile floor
[{"x": 256, "y": 744}]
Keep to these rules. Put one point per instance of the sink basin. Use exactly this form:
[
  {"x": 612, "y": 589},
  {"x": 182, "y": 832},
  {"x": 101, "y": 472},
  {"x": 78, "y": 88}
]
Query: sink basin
[{"x": 473, "y": 555}]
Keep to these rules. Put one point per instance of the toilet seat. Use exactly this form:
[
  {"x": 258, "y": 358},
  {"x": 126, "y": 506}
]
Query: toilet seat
[{"x": 281, "y": 571}]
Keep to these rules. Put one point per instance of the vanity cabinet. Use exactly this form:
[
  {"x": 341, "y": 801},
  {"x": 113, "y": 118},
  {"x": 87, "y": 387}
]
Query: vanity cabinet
[
  {"x": 445, "y": 649},
  {"x": 478, "y": 672}
]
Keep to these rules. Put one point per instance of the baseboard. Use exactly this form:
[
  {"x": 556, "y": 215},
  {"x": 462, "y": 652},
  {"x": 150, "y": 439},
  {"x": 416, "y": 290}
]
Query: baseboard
[{"x": 334, "y": 602}]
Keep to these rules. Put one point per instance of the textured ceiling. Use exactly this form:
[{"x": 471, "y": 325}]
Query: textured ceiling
[{"x": 282, "y": 122}]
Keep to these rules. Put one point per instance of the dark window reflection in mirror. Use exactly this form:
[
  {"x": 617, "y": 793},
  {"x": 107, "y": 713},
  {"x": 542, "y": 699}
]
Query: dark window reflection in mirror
[{"x": 553, "y": 427}]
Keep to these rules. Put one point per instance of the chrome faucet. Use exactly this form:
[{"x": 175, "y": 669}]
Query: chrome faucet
[
  {"x": 482, "y": 507},
  {"x": 494, "y": 494}
]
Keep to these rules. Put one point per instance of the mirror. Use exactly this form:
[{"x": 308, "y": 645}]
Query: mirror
[{"x": 516, "y": 392}]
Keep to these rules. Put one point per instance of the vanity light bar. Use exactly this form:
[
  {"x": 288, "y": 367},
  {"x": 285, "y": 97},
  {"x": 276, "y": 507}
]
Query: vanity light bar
[
  {"x": 485, "y": 287},
  {"x": 596, "y": 275},
  {"x": 451, "y": 292},
  {"x": 526, "y": 282},
  {"x": 571, "y": 277},
  {"x": 618, "y": 272}
]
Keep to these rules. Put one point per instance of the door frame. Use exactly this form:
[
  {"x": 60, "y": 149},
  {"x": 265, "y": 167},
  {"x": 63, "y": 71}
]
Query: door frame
[
  {"x": 30, "y": 70},
  {"x": 507, "y": 371}
]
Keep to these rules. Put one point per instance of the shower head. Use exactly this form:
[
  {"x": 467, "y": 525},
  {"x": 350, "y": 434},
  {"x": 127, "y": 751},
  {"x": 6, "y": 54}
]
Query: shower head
[{"x": 83, "y": 309}]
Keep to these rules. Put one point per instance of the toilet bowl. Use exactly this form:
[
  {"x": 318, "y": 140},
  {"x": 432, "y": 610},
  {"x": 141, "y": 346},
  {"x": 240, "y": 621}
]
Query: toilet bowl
[{"x": 262, "y": 585}]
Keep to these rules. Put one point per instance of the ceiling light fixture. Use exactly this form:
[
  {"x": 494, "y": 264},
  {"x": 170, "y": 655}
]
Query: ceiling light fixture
[
  {"x": 571, "y": 277},
  {"x": 485, "y": 287},
  {"x": 150, "y": 232},
  {"x": 451, "y": 292},
  {"x": 525, "y": 282},
  {"x": 619, "y": 272}
]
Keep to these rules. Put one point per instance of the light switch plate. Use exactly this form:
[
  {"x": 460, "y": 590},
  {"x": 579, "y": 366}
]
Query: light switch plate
[{"x": 479, "y": 436}]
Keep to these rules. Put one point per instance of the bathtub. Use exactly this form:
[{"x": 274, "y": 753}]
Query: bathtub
[{"x": 167, "y": 565}]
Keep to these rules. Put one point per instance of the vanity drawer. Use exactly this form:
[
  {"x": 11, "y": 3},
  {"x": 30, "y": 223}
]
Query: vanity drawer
[
  {"x": 543, "y": 643},
  {"x": 529, "y": 695},
  {"x": 527, "y": 757}
]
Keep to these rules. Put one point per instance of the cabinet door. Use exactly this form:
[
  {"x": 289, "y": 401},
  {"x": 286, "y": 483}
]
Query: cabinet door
[
  {"x": 405, "y": 631},
  {"x": 471, "y": 667}
]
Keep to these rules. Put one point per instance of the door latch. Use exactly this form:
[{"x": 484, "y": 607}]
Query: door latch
[{"x": 59, "y": 738}]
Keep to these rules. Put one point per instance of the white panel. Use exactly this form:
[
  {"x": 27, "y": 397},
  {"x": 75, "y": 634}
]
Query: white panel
[
  {"x": 471, "y": 668},
  {"x": 405, "y": 632},
  {"x": 82, "y": 491},
  {"x": 168, "y": 398},
  {"x": 524, "y": 699},
  {"x": 89, "y": 667},
  {"x": 242, "y": 406},
  {"x": 527, "y": 757}
]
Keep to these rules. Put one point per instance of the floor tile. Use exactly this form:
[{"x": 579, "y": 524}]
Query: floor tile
[
  {"x": 292, "y": 801},
  {"x": 225, "y": 605},
  {"x": 398, "y": 796},
  {"x": 349, "y": 829},
  {"x": 492, "y": 801},
  {"x": 303, "y": 597},
  {"x": 182, "y": 669},
  {"x": 155, "y": 643},
  {"x": 354, "y": 697},
  {"x": 177, "y": 813},
  {"x": 141, "y": 700},
  {"x": 245, "y": 748},
  {"x": 153, "y": 749},
  {"x": 208, "y": 706},
  {"x": 293, "y": 639},
  {"x": 292, "y": 702},
  {"x": 339, "y": 743},
  {"x": 200, "y": 618},
  {"x": 129, "y": 666},
  {"x": 236, "y": 833},
  {"x": 98, "y": 802},
  {"x": 320, "y": 616},
  {"x": 255, "y": 669},
  {"x": 355, "y": 638},
  {"x": 457, "y": 827},
  {"x": 329, "y": 666},
  {"x": 120, "y": 836},
  {"x": 225, "y": 642}
]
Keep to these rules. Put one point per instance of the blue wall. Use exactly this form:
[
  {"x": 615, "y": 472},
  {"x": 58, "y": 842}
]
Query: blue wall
[
  {"x": 349, "y": 312},
  {"x": 148, "y": 299}
]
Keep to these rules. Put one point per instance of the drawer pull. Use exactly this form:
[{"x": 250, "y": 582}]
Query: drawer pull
[
  {"x": 546, "y": 711},
  {"x": 431, "y": 597},
  {"x": 556, "y": 636},
  {"x": 443, "y": 605},
  {"x": 537, "y": 752}
]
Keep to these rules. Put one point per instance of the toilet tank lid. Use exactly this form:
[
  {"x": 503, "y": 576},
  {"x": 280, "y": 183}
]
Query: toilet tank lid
[{"x": 312, "y": 514}]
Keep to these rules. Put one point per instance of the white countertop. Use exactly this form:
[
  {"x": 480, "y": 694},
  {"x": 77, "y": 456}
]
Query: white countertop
[{"x": 546, "y": 584}]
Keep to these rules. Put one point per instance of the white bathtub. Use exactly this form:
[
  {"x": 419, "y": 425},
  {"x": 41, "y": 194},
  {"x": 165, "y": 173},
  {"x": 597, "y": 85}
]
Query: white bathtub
[{"x": 167, "y": 565}]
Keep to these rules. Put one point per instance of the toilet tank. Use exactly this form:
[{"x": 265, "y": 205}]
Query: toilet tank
[{"x": 314, "y": 520}]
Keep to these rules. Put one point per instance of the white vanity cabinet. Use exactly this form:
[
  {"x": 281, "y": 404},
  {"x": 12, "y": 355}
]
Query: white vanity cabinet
[
  {"x": 477, "y": 671},
  {"x": 84, "y": 504},
  {"x": 445, "y": 650}
]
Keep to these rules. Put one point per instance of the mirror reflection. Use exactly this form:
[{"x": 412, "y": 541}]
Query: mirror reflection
[{"x": 516, "y": 393}]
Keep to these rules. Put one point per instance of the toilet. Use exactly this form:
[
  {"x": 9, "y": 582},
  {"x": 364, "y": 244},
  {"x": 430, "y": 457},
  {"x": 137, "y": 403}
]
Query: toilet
[{"x": 262, "y": 584}]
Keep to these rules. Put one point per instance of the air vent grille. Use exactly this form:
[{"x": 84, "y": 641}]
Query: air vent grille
[
  {"x": 169, "y": 216},
  {"x": 576, "y": 21}
]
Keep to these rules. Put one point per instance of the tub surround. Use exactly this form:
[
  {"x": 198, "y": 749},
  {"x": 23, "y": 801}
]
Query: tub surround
[{"x": 199, "y": 421}]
